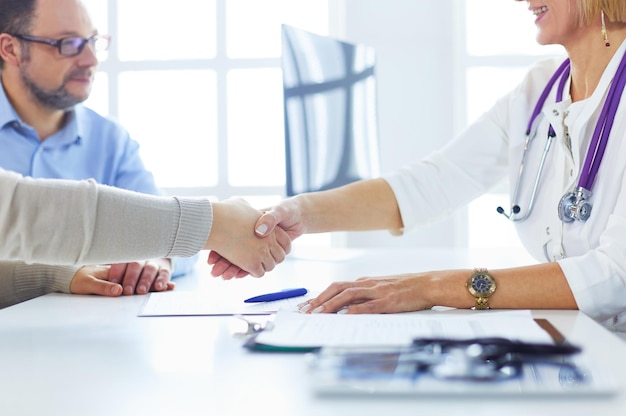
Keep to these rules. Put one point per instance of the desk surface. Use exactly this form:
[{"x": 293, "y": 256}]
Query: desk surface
[{"x": 76, "y": 355}]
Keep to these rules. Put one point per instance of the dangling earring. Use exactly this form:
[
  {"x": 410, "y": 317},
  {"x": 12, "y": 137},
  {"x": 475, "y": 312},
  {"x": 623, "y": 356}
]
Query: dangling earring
[{"x": 605, "y": 35}]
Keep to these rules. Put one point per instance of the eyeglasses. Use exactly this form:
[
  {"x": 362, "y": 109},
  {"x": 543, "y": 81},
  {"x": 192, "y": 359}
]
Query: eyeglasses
[{"x": 71, "y": 45}]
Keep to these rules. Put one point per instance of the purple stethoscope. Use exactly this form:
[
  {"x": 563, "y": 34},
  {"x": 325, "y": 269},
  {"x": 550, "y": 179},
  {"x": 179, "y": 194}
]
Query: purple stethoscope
[{"x": 573, "y": 205}]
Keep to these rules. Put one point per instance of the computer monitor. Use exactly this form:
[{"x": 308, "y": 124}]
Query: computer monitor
[{"x": 331, "y": 129}]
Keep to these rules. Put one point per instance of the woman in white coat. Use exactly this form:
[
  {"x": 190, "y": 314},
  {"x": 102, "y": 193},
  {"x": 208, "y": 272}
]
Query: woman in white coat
[{"x": 583, "y": 251}]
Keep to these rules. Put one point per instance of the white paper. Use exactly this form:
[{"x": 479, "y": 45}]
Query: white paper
[
  {"x": 189, "y": 303},
  {"x": 294, "y": 329}
]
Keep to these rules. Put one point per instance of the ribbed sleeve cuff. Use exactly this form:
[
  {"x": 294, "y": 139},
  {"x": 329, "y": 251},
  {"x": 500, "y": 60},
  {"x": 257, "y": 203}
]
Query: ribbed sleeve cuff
[
  {"x": 194, "y": 226},
  {"x": 32, "y": 280}
]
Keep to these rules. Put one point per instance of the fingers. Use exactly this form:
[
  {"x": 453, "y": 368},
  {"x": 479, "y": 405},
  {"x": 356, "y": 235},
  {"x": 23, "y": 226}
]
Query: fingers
[
  {"x": 336, "y": 297},
  {"x": 364, "y": 295},
  {"x": 214, "y": 257},
  {"x": 153, "y": 278},
  {"x": 141, "y": 277},
  {"x": 284, "y": 241},
  {"x": 272, "y": 251},
  {"x": 131, "y": 277},
  {"x": 100, "y": 287},
  {"x": 116, "y": 272},
  {"x": 223, "y": 267},
  {"x": 234, "y": 272}
]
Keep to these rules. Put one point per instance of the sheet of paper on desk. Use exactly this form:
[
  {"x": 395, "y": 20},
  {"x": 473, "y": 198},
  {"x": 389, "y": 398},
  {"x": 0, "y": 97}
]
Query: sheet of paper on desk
[
  {"x": 294, "y": 329},
  {"x": 189, "y": 303}
]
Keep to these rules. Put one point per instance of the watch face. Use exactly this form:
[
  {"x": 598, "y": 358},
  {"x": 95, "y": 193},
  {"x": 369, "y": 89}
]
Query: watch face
[{"x": 482, "y": 284}]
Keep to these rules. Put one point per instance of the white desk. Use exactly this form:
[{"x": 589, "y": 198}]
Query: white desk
[{"x": 87, "y": 356}]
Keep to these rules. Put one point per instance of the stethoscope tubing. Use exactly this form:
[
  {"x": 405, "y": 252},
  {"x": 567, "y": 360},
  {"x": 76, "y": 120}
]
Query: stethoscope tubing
[
  {"x": 597, "y": 146},
  {"x": 561, "y": 73},
  {"x": 602, "y": 131}
]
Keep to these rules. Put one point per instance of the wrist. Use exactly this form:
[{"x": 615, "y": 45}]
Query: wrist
[
  {"x": 448, "y": 288},
  {"x": 219, "y": 213},
  {"x": 302, "y": 212}
]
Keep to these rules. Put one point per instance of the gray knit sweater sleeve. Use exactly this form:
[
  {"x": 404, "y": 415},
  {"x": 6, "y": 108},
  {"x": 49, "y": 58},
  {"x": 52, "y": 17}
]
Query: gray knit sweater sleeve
[
  {"x": 80, "y": 222},
  {"x": 20, "y": 282}
]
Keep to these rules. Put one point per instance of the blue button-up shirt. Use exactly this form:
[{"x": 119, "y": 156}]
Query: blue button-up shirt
[{"x": 88, "y": 146}]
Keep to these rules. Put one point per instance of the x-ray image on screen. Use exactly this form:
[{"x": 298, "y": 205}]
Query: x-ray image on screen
[{"x": 331, "y": 132}]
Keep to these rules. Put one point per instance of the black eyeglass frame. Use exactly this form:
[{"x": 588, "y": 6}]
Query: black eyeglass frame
[{"x": 63, "y": 42}]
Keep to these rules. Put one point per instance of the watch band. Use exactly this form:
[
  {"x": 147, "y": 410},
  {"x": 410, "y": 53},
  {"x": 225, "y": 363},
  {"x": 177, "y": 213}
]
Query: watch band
[{"x": 482, "y": 303}]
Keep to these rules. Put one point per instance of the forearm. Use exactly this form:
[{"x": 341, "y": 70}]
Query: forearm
[
  {"x": 541, "y": 286},
  {"x": 72, "y": 222},
  {"x": 360, "y": 206},
  {"x": 149, "y": 227}
]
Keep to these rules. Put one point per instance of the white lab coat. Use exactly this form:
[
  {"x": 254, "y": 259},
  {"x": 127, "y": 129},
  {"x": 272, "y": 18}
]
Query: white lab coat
[{"x": 592, "y": 254}]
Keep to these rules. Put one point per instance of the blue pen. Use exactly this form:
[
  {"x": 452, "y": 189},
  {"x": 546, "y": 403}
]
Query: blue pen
[{"x": 283, "y": 294}]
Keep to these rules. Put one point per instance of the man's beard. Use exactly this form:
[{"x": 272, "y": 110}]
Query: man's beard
[{"x": 58, "y": 99}]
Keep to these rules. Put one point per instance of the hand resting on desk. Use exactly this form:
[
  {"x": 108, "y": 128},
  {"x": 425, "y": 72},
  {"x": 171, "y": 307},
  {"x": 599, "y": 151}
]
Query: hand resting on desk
[
  {"x": 389, "y": 294},
  {"x": 107, "y": 280}
]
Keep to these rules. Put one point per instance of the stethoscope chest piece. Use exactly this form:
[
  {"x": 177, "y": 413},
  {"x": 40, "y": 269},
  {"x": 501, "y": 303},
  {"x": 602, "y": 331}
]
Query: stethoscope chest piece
[{"x": 574, "y": 206}]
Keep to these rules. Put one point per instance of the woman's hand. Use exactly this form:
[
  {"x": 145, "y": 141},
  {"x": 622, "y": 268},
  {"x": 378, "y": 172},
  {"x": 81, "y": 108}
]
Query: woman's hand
[{"x": 389, "y": 294}]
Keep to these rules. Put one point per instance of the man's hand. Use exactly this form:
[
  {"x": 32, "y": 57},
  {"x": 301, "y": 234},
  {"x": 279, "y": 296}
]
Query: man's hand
[
  {"x": 141, "y": 277},
  {"x": 93, "y": 280},
  {"x": 107, "y": 280}
]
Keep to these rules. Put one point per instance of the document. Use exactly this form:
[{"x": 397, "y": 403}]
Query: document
[
  {"x": 190, "y": 303},
  {"x": 296, "y": 330}
]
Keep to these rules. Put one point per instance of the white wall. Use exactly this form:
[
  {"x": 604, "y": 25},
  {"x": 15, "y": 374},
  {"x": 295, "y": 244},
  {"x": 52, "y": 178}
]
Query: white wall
[{"x": 416, "y": 44}]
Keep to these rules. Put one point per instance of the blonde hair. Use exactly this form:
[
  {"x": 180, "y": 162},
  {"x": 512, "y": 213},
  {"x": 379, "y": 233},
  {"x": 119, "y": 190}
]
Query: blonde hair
[{"x": 614, "y": 10}]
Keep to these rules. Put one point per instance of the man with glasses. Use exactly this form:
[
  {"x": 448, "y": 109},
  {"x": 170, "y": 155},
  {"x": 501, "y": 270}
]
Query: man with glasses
[{"x": 47, "y": 66}]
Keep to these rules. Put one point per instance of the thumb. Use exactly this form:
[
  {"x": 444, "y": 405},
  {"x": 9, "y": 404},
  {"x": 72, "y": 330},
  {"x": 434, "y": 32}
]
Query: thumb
[
  {"x": 265, "y": 224},
  {"x": 104, "y": 288}
]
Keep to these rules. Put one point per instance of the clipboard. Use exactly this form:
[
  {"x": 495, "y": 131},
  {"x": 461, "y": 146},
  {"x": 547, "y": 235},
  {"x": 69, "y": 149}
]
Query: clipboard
[{"x": 336, "y": 371}]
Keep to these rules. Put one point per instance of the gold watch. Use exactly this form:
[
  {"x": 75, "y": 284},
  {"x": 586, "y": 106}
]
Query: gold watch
[{"x": 481, "y": 285}]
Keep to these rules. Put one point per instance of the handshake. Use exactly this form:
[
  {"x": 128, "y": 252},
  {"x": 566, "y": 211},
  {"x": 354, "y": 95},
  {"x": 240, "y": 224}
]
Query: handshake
[{"x": 245, "y": 241}]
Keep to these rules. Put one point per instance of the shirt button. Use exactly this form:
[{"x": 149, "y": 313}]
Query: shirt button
[
  {"x": 555, "y": 112},
  {"x": 547, "y": 230},
  {"x": 571, "y": 172}
]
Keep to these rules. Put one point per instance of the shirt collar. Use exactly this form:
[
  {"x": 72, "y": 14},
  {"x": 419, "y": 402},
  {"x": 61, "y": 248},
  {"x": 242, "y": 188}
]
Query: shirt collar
[
  {"x": 7, "y": 113},
  {"x": 72, "y": 132}
]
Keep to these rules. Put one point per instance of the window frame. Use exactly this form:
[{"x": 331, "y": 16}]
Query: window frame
[{"x": 113, "y": 67}]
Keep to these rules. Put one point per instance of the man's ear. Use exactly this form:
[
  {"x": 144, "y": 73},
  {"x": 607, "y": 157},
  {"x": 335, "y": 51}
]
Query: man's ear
[{"x": 9, "y": 49}]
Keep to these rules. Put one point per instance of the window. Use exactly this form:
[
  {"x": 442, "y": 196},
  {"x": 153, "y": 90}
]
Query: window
[
  {"x": 199, "y": 87},
  {"x": 497, "y": 53}
]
